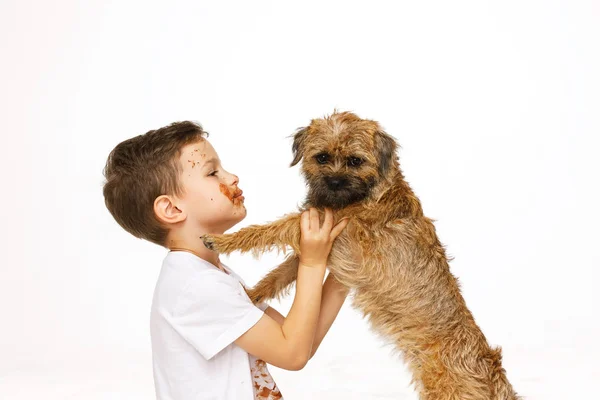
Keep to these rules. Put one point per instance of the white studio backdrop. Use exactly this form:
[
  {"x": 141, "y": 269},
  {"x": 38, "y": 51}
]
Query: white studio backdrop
[{"x": 495, "y": 105}]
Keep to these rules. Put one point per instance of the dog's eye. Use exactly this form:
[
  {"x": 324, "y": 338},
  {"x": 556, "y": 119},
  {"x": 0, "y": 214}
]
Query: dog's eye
[
  {"x": 354, "y": 161},
  {"x": 322, "y": 158}
]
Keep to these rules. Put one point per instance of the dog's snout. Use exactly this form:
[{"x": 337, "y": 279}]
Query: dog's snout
[{"x": 336, "y": 182}]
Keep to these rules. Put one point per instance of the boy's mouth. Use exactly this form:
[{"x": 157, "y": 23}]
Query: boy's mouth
[
  {"x": 234, "y": 196},
  {"x": 237, "y": 197}
]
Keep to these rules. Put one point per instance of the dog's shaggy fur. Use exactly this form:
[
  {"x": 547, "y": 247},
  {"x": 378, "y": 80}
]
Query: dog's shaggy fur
[{"x": 389, "y": 255}]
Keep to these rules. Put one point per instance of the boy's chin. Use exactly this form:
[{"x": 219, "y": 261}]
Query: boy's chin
[
  {"x": 239, "y": 213},
  {"x": 242, "y": 213}
]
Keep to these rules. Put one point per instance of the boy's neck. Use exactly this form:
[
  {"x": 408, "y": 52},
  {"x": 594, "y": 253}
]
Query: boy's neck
[
  {"x": 186, "y": 237},
  {"x": 197, "y": 249}
]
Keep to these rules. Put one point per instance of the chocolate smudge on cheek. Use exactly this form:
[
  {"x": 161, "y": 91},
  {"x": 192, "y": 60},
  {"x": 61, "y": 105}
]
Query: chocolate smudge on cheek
[
  {"x": 225, "y": 190},
  {"x": 233, "y": 196}
]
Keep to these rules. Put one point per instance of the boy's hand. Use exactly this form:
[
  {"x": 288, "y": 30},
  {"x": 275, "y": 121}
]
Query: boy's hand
[{"x": 316, "y": 240}]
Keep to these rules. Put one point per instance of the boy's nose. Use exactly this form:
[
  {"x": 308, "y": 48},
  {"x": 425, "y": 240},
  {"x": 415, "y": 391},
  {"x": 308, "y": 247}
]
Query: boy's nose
[{"x": 236, "y": 180}]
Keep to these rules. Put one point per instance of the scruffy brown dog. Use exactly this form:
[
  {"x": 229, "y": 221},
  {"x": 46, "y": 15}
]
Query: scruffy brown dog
[{"x": 389, "y": 255}]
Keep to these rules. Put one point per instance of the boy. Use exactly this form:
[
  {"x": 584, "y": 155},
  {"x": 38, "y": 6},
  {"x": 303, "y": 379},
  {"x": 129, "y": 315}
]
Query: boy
[{"x": 208, "y": 340}]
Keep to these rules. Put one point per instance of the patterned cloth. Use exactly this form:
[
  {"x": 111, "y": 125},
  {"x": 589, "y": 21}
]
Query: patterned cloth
[{"x": 262, "y": 381}]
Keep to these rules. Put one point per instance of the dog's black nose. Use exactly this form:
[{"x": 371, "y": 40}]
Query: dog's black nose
[{"x": 335, "y": 183}]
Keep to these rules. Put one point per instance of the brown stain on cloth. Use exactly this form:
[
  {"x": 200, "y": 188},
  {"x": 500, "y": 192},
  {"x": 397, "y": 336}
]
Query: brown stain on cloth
[{"x": 262, "y": 381}]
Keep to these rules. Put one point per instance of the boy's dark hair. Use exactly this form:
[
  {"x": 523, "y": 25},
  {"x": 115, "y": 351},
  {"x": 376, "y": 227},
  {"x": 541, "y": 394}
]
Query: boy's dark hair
[{"x": 142, "y": 168}]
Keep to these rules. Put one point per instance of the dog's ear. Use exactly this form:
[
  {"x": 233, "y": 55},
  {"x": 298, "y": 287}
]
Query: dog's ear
[
  {"x": 298, "y": 146},
  {"x": 385, "y": 148}
]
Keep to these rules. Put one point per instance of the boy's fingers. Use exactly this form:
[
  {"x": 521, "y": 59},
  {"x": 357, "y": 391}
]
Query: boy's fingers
[
  {"x": 304, "y": 222},
  {"x": 328, "y": 220},
  {"x": 314, "y": 219},
  {"x": 339, "y": 227}
]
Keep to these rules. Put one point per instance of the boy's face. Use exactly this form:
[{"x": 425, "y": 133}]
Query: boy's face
[{"x": 211, "y": 197}]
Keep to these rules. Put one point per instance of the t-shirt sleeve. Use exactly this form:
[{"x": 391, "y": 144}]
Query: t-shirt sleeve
[{"x": 213, "y": 312}]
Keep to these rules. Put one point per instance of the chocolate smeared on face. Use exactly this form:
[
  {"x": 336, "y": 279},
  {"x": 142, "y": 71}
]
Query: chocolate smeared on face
[{"x": 234, "y": 196}]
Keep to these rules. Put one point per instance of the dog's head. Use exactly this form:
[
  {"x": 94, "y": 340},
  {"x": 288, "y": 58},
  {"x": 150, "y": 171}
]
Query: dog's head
[{"x": 344, "y": 158}]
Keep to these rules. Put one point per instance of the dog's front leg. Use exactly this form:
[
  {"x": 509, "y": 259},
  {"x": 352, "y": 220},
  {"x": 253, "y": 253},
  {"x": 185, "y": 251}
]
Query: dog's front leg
[
  {"x": 344, "y": 263},
  {"x": 259, "y": 238},
  {"x": 275, "y": 283}
]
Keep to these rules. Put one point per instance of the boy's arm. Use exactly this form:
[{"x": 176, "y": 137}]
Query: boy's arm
[
  {"x": 276, "y": 315},
  {"x": 333, "y": 296},
  {"x": 289, "y": 345}
]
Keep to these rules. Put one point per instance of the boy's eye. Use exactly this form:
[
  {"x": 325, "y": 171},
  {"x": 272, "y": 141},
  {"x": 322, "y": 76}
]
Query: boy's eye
[{"x": 213, "y": 173}]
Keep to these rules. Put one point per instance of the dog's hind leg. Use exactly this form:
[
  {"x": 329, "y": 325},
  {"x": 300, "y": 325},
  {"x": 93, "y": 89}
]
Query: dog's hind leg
[{"x": 277, "y": 282}]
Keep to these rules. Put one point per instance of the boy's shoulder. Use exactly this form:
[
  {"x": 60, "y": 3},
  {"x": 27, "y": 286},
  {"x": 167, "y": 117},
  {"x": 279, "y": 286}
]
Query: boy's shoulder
[
  {"x": 184, "y": 274},
  {"x": 186, "y": 267}
]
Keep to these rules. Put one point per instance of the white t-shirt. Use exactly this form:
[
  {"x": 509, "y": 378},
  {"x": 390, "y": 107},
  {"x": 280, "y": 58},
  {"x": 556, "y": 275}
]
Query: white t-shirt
[{"x": 198, "y": 311}]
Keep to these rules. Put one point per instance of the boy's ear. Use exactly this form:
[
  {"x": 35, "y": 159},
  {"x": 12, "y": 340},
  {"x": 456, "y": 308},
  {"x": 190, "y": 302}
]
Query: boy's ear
[{"x": 166, "y": 211}]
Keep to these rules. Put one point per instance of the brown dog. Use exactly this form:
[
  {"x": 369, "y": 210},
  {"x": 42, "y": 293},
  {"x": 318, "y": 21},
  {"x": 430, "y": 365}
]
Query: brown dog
[{"x": 389, "y": 255}]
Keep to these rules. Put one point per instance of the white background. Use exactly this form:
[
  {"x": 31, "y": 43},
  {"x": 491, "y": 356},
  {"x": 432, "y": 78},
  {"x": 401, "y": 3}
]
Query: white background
[{"x": 495, "y": 104}]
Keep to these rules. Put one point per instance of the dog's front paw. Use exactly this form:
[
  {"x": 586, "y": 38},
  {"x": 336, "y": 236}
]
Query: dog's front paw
[
  {"x": 209, "y": 242},
  {"x": 222, "y": 244}
]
